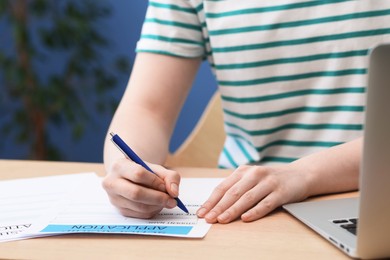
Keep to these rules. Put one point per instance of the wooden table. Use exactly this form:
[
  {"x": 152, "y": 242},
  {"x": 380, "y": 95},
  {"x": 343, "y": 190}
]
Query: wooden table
[{"x": 277, "y": 236}]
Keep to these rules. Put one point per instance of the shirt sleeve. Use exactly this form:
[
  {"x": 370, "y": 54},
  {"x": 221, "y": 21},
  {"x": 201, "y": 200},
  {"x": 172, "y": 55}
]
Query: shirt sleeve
[{"x": 172, "y": 27}]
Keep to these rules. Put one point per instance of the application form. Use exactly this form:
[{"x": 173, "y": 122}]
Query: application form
[{"x": 89, "y": 210}]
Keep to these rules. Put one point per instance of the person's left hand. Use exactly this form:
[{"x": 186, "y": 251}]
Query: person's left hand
[{"x": 254, "y": 191}]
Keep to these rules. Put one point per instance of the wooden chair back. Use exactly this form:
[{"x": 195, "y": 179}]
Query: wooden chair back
[{"x": 204, "y": 144}]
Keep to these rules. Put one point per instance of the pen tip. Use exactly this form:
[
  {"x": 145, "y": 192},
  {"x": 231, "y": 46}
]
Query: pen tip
[
  {"x": 112, "y": 134},
  {"x": 181, "y": 205}
]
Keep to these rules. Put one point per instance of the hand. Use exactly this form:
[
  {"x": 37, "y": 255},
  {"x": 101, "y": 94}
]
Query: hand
[
  {"x": 252, "y": 192},
  {"x": 138, "y": 193}
]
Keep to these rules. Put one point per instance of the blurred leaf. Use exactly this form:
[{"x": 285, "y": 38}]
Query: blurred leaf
[
  {"x": 122, "y": 64},
  {"x": 39, "y": 7},
  {"x": 53, "y": 153},
  {"x": 101, "y": 106},
  {"x": 4, "y": 6},
  {"x": 78, "y": 131},
  {"x": 113, "y": 105}
]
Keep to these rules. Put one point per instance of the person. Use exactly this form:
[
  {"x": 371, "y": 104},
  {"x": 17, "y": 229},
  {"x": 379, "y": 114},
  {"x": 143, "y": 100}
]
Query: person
[{"x": 292, "y": 78}]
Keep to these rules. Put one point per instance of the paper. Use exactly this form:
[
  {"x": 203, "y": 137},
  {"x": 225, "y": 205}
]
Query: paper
[
  {"x": 90, "y": 211},
  {"x": 23, "y": 201}
]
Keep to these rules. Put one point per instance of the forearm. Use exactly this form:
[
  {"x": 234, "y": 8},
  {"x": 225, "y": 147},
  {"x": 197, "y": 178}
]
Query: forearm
[
  {"x": 332, "y": 170},
  {"x": 148, "y": 111}
]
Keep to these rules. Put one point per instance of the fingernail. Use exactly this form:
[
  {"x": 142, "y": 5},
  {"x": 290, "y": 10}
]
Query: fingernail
[
  {"x": 211, "y": 215},
  {"x": 175, "y": 189},
  {"x": 201, "y": 212},
  {"x": 171, "y": 203},
  {"x": 224, "y": 217},
  {"x": 246, "y": 216}
]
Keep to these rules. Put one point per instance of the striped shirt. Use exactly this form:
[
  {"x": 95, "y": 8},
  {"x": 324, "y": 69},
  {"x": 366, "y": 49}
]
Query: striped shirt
[{"x": 291, "y": 73}]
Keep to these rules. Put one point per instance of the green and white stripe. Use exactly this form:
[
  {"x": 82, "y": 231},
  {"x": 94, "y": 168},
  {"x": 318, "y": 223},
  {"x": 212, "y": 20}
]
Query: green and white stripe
[{"x": 291, "y": 73}]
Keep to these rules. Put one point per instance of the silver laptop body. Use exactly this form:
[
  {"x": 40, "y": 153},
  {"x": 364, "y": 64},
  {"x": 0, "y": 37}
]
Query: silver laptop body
[{"x": 372, "y": 208}]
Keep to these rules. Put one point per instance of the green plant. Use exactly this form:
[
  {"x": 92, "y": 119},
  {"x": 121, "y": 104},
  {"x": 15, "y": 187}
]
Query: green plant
[{"x": 64, "y": 35}]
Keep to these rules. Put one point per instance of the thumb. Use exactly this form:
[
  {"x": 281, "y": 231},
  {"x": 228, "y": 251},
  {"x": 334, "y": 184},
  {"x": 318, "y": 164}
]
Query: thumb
[{"x": 171, "y": 179}]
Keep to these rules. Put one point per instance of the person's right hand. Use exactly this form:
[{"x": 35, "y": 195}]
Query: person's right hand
[{"x": 138, "y": 193}]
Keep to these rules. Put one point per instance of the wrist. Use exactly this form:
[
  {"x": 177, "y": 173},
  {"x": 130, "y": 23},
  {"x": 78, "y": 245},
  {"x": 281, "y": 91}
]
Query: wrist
[{"x": 309, "y": 173}]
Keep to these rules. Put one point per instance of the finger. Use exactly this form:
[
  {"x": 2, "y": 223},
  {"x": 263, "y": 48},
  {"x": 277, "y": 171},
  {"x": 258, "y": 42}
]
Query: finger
[
  {"x": 217, "y": 194},
  {"x": 245, "y": 202},
  {"x": 125, "y": 205},
  {"x": 135, "y": 214},
  {"x": 136, "y": 193},
  {"x": 231, "y": 197},
  {"x": 170, "y": 178},
  {"x": 138, "y": 174},
  {"x": 265, "y": 206}
]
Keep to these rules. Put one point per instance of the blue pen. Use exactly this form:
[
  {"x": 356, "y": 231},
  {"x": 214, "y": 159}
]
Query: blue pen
[{"x": 126, "y": 150}]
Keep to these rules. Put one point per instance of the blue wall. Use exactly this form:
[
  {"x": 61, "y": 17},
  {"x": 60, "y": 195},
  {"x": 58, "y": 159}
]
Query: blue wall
[{"x": 123, "y": 29}]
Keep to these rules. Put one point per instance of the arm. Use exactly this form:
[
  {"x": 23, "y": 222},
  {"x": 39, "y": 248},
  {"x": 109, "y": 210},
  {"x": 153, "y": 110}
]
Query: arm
[
  {"x": 254, "y": 191},
  {"x": 147, "y": 113},
  {"x": 145, "y": 119}
]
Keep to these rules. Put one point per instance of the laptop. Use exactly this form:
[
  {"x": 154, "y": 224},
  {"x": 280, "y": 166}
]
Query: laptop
[{"x": 360, "y": 227}]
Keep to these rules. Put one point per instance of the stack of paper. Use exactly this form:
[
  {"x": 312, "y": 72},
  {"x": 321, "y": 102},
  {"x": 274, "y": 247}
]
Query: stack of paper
[
  {"x": 24, "y": 201},
  {"x": 77, "y": 203}
]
